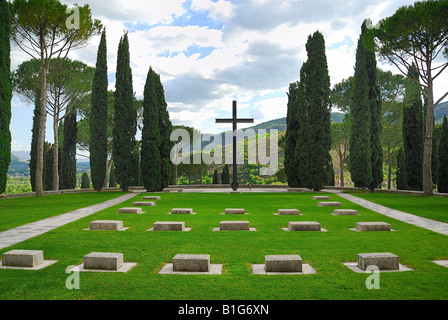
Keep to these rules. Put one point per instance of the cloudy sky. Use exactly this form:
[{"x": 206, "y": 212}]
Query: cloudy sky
[{"x": 210, "y": 52}]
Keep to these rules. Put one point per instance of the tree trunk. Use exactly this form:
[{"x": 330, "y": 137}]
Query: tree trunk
[
  {"x": 56, "y": 153},
  {"x": 108, "y": 168},
  {"x": 175, "y": 175},
  {"x": 427, "y": 154},
  {"x": 341, "y": 163},
  {"x": 42, "y": 129},
  {"x": 389, "y": 173}
]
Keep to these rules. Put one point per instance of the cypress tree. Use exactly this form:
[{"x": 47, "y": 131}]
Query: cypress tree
[
  {"x": 314, "y": 110},
  {"x": 292, "y": 126},
  {"x": 413, "y": 134},
  {"x": 443, "y": 158},
  {"x": 375, "y": 109},
  {"x": 125, "y": 119},
  {"x": 34, "y": 136},
  {"x": 360, "y": 137},
  {"x": 68, "y": 160},
  {"x": 216, "y": 177},
  {"x": 85, "y": 181},
  {"x": 98, "y": 118},
  {"x": 112, "y": 182},
  {"x": 5, "y": 93},
  {"x": 150, "y": 159},
  {"x": 401, "y": 171},
  {"x": 225, "y": 177},
  {"x": 166, "y": 128}
]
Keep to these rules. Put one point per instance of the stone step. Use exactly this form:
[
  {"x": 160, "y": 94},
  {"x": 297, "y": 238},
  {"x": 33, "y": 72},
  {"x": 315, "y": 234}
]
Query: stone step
[
  {"x": 23, "y": 258},
  {"x": 283, "y": 263},
  {"x": 288, "y": 212},
  {"x": 169, "y": 226},
  {"x": 103, "y": 261},
  {"x": 345, "y": 212},
  {"x": 106, "y": 225},
  {"x": 304, "y": 226},
  {"x": 131, "y": 210},
  {"x": 191, "y": 263},
  {"x": 383, "y": 261},
  {"x": 372, "y": 226},
  {"x": 234, "y": 226}
]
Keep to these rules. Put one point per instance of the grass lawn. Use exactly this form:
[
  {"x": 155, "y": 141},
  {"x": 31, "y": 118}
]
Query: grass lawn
[
  {"x": 20, "y": 211},
  {"x": 237, "y": 250},
  {"x": 430, "y": 207}
]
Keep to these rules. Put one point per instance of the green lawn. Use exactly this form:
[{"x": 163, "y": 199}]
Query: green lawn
[
  {"x": 20, "y": 211},
  {"x": 435, "y": 208},
  {"x": 324, "y": 251}
]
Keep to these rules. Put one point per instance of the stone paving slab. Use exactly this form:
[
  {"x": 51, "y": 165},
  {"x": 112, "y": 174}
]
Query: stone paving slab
[
  {"x": 13, "y": 236},
  {"x": 433, "y": 225}
]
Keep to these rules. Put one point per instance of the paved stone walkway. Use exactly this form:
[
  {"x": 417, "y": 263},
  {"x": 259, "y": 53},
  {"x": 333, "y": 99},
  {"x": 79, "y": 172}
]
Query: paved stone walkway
[
  {"x": 25, "y": 232},
  {"x": 436, "y": 226}
]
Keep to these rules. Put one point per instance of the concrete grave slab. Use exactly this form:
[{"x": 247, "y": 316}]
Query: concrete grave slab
[
  {"x": 235, "y": 211},
  {"x": 191, "y": 264},
  {"x": 382, "y": 261},
  {"x": 321, "y": 198},
  {"x": 330, "y": 204},
  {"x": 143, "y": 204},
  {"x": 345, "y": 212},
  {"x": 25, "y": 260},
  {"x": 169, "y": 226},
  {"x": 104, "y": 262},
  {"x": 106, "y": 225},
  {"x": 131, "y": 210},
  {"x": 288, "y": 212},
  {"x": 151, "y": 198},
  {"x": 181, "y": 211},
  {"x": 234, "y": 226},
  {"x": 304, "y": 226}
]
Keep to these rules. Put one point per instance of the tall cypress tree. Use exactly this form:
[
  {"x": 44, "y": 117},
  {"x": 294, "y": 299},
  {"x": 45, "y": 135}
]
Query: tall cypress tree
[
  {"x": 216, "y": 177},
  {"x": 413, "y": 134},
  {"x": 68, "y": 160},
  {"x": 375, "y": 108},
  {"x": 151, "y": 162},
  {"x": 360, "y": 137},
  {"x": 314, "y": 110},
  {"x": 442, "y": 184},
  {"x": 225, "y": 177},
  {"x": 292, "y": 126},
  {"x": 166, "y": 127},
  {"x": 34, "y": 136},
  {"x": 5, "y": 93},
  {"x": 125, "y": 119},
  {"x": 98, "y": 118}
]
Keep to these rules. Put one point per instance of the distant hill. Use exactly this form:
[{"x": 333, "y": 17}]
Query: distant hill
[
  {"x": 440, "y": 111},
  {"x": 18, "y": 166}
]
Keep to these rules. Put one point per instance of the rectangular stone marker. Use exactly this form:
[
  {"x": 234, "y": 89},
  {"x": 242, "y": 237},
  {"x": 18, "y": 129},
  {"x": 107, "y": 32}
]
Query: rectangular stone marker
[
  {"x": 103, "y": 261},
  {"x": 288, "y": 212},
  {"x": 169, "y": 226},
  {"x": 321, "y": 198},
  {"x": 235, "y": 211},
  {"x": 304, "y": 226},
  {"x": 330, "y": 204},
  {"x": 130, "y": 210},
  {"x": 191, "y": 263},
  {"x": 345, "y": 212},
  {"x": 23, "y": 258},
  {"x": 151, "y": 198},
  {"x": 106, "y": 225},
  {"x": 181, "y": 211},
  {"x": 372, "y": 226},
  {"x": 384, "y": 261},
  {"x": 283, "y": 263},
  {"x": 234, "y": 225},
  {"x": 144, "y": 204}
]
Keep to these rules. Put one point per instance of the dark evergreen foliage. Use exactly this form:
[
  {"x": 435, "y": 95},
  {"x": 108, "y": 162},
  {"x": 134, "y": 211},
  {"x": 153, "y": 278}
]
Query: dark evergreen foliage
[
  {"x": 442, "y": 184},
  {"x": 85, "y": 181},
  {"x": 98, "y": 118},
  {"x": 225, "y": 177},
  {"x": 125, "y": 119},
  {"x": 401, "y": 171},
  {"x": 314, "y": 134},
  {"x": 34, "y": 136},
  {"x": 68, "y": 159},
  {"x": 216, "y": 177},
  {"x": 413, "y": 136},
  {"x": 291, "y": 164},
  {"x": 5, "y": 93}
]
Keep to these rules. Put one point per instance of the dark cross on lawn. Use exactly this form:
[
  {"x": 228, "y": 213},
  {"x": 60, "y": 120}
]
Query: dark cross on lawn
[{"x": 234, "y": 121}]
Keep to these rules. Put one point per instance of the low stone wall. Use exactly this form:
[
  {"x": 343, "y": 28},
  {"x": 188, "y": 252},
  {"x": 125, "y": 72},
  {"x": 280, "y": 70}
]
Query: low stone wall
[
  {"x": 33, "y": 194},
  {"x": 391, "y": 191},
  {"x": 224, "y": 186}
]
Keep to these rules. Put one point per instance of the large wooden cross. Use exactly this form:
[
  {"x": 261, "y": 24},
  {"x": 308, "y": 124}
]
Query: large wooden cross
[{"x": 234, "y": 121}]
